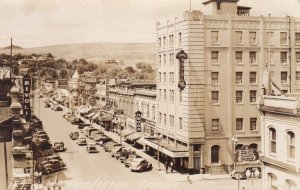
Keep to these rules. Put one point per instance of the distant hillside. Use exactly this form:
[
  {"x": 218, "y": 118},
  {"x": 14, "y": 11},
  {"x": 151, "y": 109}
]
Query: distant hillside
[
  {"x": 130, "y": 53},
  {"x": 13, "y": 46}
]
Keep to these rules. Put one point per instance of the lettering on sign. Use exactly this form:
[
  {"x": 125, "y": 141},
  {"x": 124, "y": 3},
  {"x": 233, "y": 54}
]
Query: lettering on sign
[
  {"x": 246, "y": 154},
  {"x": 181, "y": 56},
  {"x": 5, "y": 72},
  {"x": 26, "y": 97},
  {"x": 138, "y": 116}
]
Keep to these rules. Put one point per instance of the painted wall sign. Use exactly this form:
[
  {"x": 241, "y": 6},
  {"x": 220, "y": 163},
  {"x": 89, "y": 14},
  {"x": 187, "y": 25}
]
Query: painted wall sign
[
  {"x": 181, "y": 56},
  {"x": 138, "y": 116},
  {"x": 26, "y": 97}
]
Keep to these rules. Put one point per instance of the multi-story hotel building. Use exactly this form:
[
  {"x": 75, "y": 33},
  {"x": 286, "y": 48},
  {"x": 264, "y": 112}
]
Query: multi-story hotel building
[
  {"x": 227, "y": 50},
  {"x": 280, "y": 134}
]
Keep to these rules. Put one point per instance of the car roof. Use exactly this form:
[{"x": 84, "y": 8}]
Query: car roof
[{"x": 138, "y": 159}]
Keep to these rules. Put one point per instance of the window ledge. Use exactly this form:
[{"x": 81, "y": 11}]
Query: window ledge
[{"x": 215, "y": 104}]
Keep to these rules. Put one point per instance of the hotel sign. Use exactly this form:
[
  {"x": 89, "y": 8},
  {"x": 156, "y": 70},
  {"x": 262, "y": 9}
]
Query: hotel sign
[
  {"x": 138, "y": 117},
  {"x": 26, "y": 97},
  {"x": 181, "y": 56}
]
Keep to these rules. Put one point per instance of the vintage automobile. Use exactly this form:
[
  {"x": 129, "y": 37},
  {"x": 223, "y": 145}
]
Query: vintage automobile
[
  {"x": 83, "y": 125},
  {"x": 91, "y": 148},
  {"x": 81, "y": 140},
  {"x": 70, "y": 117},
  {"x": 47, "y": 105},
  {"x": 242, "y": 174},
  {"x": 131, "y": 157},
  {"x": 98, "y": 137},
  {"x": 110, "y": 145},
  {"x": 104, "y": 140},
  {"x": 74, "y": 135},
  {"x": 115, "y": 151},
  {"x": 93, "y": 133},
  {"x": 123, "y": 155},
  {"x": 140, "y": 165},
  {"x": 57, "y": 108},
  {"x": 52, "y": 166},
  {"x": 59, "y": 146},
  {"x": 76, "y": 121}
]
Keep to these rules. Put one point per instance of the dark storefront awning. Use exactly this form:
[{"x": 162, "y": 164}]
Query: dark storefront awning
[{"x": 133, "y": 137}]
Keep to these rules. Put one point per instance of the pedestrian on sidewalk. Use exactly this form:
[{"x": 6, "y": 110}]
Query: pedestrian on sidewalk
[
  {"x": 172, "y": 166},
  {"x": 166, "y": 165}
]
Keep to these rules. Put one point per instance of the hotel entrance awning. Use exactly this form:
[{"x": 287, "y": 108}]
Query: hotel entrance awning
[{"x": 168, "y": 149}]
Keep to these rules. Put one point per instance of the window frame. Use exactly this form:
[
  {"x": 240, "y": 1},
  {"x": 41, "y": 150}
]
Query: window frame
[
  {"x": 239, "y": 127},
  {"x": 272, "y": 141},
  {"x": 215, "y": 41},
  {"x": 215, "y": 97},
  {"x": 239, "y": 59},
  {"x": 215, "y": 155},
  {"x": 251, "y": 97},
  {"x": 253, "y": 120}
]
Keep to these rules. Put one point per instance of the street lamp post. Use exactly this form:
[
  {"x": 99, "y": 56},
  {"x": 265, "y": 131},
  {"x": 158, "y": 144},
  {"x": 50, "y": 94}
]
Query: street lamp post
[{"x": 254, "y": 173}]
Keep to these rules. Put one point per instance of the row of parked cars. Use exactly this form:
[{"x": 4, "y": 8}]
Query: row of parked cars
[{"x": 126, "y": 156}]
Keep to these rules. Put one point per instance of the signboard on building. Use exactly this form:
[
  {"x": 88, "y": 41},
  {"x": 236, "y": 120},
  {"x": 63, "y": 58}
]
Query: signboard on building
[
  {"x": 5, "y": 72},
  {"x": 181, "y": 56},
  {"x": 138, "y": 116},
  {"x": 26, "y": 97},
  {"x": 246, "y": 154}
]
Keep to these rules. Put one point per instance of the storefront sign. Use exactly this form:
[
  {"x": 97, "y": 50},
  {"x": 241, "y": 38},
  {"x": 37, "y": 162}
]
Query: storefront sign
[
  {"x": 26, "y": 97},
  {"x": 181, "y": 56},
  {"x": 246, "y": 154},
  {"x": 138, "y": 116},
  {"x": 107, "y": 92}
]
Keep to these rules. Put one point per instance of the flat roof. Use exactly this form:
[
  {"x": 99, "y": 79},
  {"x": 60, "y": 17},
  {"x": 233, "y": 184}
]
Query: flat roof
[{"x": 220, "y": 1}]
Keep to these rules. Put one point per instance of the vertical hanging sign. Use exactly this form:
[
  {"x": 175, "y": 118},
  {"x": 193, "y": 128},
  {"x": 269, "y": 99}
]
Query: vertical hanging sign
[
  {"x": 26, "y": 97},
  {"x": 181, "y": 56},
  {"x": 138, "y": 116}
]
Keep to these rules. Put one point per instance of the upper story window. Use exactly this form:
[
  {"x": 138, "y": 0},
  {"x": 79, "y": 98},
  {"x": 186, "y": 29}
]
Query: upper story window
[
  {"x": 239, "y": 124},
  {"x": 283, "y": 37},
  {"x": 160, "y": 77},
  {"x": 215, "y": 152},
  {"x": 215, "y": 125},
  {"x": 283, "y": 57},
  {"x": 252, "y": 56},
  {"x": 214, "y": 77},
  {"x": 238, "y": 37},
  {"x": 239, "y": 77},
  {"x": 298, "y": 57},
  {"x": 153, "y": 112},
  {"x": 252, "y": 77},
  {"x": 297, "y": 38},
  {"x": 165, "y": 119},
  {"x": 284, "y": 77},
  {"x": 253, "y": 122},
  {"x": 214, "y": 37},
  {"x": 180, "y": 38},
  {"x": 252, "y": 96},
  {"x": 160, "y": 118},
  {"x": 272, "y": 137},
  {"x": 165, "y": 59},
  {"x": 180, "y": 122},
  {"x": 298, "y": 76},
  {"x": 165, "y": 94},
  {"x": 215, "y": 97},
  {"x": 291, "y": 144},
  {"x": 165, "y": 77},
  {"x": 239, "y": 96},
  {"x": 252, "y": 38},
  {"x": 219, "y": 5},
  {"x": 214, "y": 57},
  {"x": 164, "y": 42},
  {"x": 239, "y": 57},
  {"x": 159, "y": 57},
  {"x": 159, "y": 42},
  {"x": 270, "y": 38}
]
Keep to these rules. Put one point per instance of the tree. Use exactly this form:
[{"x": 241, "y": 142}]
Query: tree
[
  {"x": 63, "y": 73},
  {"x": 129, "y": 69}
]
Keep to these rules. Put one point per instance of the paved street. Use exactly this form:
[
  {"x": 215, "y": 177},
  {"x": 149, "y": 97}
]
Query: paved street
[{"x": 101, "y": 170}]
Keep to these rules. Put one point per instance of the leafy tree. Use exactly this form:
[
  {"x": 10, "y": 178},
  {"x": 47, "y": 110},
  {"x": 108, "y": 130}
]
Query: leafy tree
[{"x": 129, "y": 69}]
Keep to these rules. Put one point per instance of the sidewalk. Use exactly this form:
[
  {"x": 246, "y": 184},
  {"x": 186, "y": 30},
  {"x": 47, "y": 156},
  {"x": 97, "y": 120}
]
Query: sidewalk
[{"x": 175, "y": 176}]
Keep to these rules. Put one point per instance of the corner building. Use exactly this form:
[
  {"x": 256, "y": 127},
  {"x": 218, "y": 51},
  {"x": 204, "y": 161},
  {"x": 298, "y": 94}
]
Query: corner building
[{"x": 215, "y": 115}]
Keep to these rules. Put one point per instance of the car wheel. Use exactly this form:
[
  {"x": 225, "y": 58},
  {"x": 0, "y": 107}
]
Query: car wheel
[{"x": 48, "y": 171}]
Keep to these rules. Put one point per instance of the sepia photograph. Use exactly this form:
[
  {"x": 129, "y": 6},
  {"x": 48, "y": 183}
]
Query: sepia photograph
[{"x": 149, "y": 94}]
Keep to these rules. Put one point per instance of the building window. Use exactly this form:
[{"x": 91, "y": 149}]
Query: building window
[
  {"x": 298, "y": 76},
  {"x": 180, "y": 123},
  {"x": 159, "y": 57},
  {"x": 239, "y": 96},
  {"x": 214, "y": 37},
  {"x": 215, "y": 78},
  {"x": 253, "y": 124},
  {"x": 252, "y": 96},
  {"x": 165, "y": 94},
  {"x": 165, "y": 119},
  {"x": 215, "y": 57},
  {"x": 215, "y": 151},
  {"x": 271, "y": 182},
  {"x": 148, "y": 111},
  {"x": 284, "y": 77},
  {"x": 165, "y": 77},
  {"x": 215, "y": 125},
  {"x": 165, "y": 60},
  {"x": 252, "y": 77},
  {"x": 297, "y": 38},
  {"x": 179, "y": 38},
  {"x": 160, "y": 77},
  {"x": 239, "y": 77},
  {"x": 252, "y": 56},
  {"x": 159, "y": 95},
  {"x": 239, "y": 57},
  {"x": 270, "y": 38},
  {"x": 159, "y": 42},
  {"x": 252, "y": 38},
  {"x": 219, "y": 5},
  {"x": 164, "y": 42},
  {"x": 171, "y": 120},
  {"x": 239, "y": 124},
  {"x": 298, "y": 57},
  {"x": 272, "y": 133},
  {"x": 238, "y": 37},
  {"x": 180, "y": 96},
  {"x": 153, "y": 112},
  {"x": 215, "y": 97},
  {"x": 283, "y": 37},
  {"x": 291, "y": 144},
  {"x": 283, "y": 57},
  {"x": 172, "y": 95},
  {"x": 159, "y": 119}
]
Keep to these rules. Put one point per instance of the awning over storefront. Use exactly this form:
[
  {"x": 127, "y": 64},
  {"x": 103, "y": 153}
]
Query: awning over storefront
[
  {"x": 126, "y": 132},
  {"x": 141, "y": 141},
  {"x": 133, "y": 137},
  {"x": 168, "y": 149}
]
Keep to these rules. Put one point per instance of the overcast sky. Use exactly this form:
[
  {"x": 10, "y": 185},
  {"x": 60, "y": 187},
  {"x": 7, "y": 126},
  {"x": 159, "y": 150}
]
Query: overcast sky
[{"x": 34, "y": 23}]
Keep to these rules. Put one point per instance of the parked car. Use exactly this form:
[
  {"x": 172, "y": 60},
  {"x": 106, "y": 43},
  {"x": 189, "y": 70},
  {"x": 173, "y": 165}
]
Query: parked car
[
  {"x": 70, "y": 117},
  {"x": 59, "y": 146},
  {"x": 104, "y": 140},
  {"x": 52, "y": 166},
  {"x": 55, "y": 157},
  {"x": 87, "y": 131},
  {"x": 83, "y": 125},
  {"x": 94, "y": 133},
  {"x": 242, "y": 175},
  {"x": 74, "y": 135},
  {"x": 116, "y": 150},
  {"x": 91, "y": 148},
  {"x": 57, "y": 108},
  {"x": 76, "y": 121},
  {"x": 124, "y": 154},
  {"x": 110, "y": 145},
  {"x": 47, "y": 105},
  {"x": 131, "y": 157},
  {"x": 99, "y": 137},
  {"x": 140, "y": 165},
  {"x": 81, "y": 140}
]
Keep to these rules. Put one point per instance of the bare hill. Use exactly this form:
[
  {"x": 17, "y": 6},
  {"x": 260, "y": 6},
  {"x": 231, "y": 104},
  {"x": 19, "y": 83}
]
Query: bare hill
[{"x": 129, "y": 53}]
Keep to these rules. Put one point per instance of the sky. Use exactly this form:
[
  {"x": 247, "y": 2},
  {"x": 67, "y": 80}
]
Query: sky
[{"x": 35, "y": 23}]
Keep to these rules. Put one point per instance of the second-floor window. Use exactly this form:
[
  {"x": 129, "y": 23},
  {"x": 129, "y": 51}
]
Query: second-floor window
[
  {"x": 239, "y": 57},
  {"x": 214, "y": 37},
  {"x": 252, "y": 77},
  {"x": 283, "y": 57},
  {"x": 238, "y": 37},
  {"x": 283, "y": 37},
  {"x": 239, "y": 77},
  {"x": 252, "y": 38},
  {"x": 253, "y": 124},
  {"x": 284, "y": 77},
  {"x": 239, "y": 124},
  {"x": 215, "y": 78}
]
